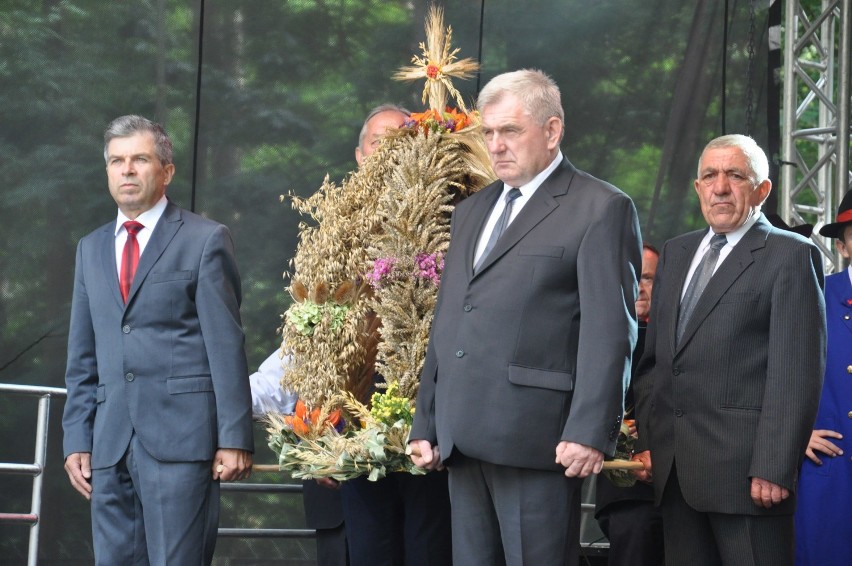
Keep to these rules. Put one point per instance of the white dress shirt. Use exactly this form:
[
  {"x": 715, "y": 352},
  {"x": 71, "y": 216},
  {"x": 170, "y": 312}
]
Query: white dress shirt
[
  {"x": 733, "y": 239},
  {"x": 526, "y": 192},
  {"x": 148, "y": 219}
]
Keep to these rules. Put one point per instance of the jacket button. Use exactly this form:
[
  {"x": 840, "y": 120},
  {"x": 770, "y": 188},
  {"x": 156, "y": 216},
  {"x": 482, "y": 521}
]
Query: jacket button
[
  {"x": 467, "y": 308},
  {"x": 126, "y": 329},
  {"x": 460, "y": 353},
  {"x": 676, "y": 371},
  {"x": 679, "y": 413},
  {"x": 129, "y": 376}
]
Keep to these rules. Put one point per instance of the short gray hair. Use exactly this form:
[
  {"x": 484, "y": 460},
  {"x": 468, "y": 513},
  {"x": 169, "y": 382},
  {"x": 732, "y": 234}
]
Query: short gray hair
[
  {"x": 537, "y": 92},
  {"x": 756, "y": 157},
  {"x": 375, "y": 111},
  {"x": 126, "y": 126}
]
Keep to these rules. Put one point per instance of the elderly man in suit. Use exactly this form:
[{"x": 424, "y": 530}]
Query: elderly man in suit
[
  {"x": 522, "y": 389},
  {"x": 728, "y": 386},
  {"x": 159, "y": 408}
]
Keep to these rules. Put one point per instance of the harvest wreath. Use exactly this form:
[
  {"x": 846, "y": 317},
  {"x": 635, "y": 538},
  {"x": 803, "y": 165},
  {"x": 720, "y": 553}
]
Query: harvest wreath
[{"x": 365, "y": 280}]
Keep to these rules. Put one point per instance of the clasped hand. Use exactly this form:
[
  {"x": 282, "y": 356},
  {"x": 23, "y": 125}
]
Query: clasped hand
[{"x": 579, "y": 460}]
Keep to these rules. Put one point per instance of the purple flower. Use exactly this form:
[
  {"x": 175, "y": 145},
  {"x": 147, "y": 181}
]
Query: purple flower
[
  {"x": 429, "y": 267},
  {"x": 382, "y": 270}
]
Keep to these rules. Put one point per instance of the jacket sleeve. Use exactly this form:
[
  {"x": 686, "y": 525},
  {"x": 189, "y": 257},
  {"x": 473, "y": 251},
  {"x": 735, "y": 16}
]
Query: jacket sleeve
[
  {"x": 218, "y": 304},
  {"x": 608, "y": 264},
  {"x": 81, "y": 373},
  {"x": 795, "y": 367}
]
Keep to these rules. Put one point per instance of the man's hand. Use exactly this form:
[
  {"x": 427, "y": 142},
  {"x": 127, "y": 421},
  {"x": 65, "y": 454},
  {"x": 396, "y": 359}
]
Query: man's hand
[
  {"x": 643, "y": 475},
  {"x": 579, "y": 460},
  {"x": 424, "y": 455},
  {"x": 766, "y": 494},
  {"x": 818, "y": 443},
  {"x": 79, "y": 468},
  {"x": 231, "y": 464}
]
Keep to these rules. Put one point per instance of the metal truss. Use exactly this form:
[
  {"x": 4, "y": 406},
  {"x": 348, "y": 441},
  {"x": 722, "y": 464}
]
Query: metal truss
[{"x": 815, "y": 172}]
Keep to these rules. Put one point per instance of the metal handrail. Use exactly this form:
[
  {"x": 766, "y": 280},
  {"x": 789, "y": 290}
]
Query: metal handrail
[{"x": 36, "y": 469}]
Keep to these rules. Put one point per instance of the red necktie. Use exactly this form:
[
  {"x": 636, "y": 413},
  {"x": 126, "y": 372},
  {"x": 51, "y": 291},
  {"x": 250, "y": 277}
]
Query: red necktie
[{"x": 129, "y": 258}]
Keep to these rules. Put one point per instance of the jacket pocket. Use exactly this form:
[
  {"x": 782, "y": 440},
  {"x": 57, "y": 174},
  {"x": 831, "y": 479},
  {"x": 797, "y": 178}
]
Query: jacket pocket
[
  {"x": 201, "y": 383},
  {"x": 543, "y": 378},
  {"x": 546, "y": 251},
  {"x": 163, "y": 276}
]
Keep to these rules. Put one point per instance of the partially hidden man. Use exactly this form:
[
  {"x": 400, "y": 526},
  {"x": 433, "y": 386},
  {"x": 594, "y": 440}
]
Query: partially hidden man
[
  {"x": 521, "y": 394},
  {"x": 728, "y": 386},
  {"x": 159, "y": 407}
]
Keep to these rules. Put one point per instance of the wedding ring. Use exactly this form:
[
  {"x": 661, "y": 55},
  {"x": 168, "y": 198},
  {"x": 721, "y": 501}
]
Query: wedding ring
[{"x": 220, "y": 468}]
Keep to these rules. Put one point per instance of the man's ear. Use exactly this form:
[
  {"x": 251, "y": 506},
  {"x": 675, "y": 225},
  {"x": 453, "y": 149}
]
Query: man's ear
[
  {"x": 762, "y": 191},
  {"x": 553, "y": 127}
]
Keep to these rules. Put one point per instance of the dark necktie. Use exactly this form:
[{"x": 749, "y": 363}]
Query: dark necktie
[
  {"x": 129, "y": 258},
  {"x": 699, "y": 281},
  {"x": 499, "y": 228}
]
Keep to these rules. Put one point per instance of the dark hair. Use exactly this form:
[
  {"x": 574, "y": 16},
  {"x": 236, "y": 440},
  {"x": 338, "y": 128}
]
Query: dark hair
[
  {"x": 650, "y": 248},
  {"x": 125, "y": 126}
]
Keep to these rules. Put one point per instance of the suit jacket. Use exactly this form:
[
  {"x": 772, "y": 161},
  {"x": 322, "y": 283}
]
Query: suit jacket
[
  {"x": 535, "y": 348},
  {"x": 170, "y": 365},
  {"x": 736, "y": 398}
]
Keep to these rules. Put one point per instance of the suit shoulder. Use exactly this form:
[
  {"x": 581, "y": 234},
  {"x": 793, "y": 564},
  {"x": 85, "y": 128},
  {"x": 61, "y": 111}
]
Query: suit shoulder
[
  {"x": 106, "y": 229},
  {"x": 784, "y": 240},
  {"x": 198, "y": 223},
  {"x": 685, "y": 239},
  {"x": 479, "y": 195}
]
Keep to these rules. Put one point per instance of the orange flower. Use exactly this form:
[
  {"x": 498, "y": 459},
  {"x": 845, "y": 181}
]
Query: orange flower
[
  {"x": 334, "y": 418},
  {"x": 301, "y": 409},
  {"x": 298, "y": 425},
  {"x": 432, "y": 70}
]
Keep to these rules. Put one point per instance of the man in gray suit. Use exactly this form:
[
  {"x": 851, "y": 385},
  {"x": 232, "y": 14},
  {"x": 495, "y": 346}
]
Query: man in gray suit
[
  {"x": 728, "y": 387},
  {"x": 522, "y": 389},
  {"x": 159, "y": 408}
]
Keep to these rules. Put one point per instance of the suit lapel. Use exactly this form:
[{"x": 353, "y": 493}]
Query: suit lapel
[
  {"x": 740, "y": 258},
  {"x": 164, "y": 231},
  {"x": 541, "y": 204},
  {"x": 478, "y": 217},
  {"x": 682, "y": 261},
  {"x": 108, "y": 256}
]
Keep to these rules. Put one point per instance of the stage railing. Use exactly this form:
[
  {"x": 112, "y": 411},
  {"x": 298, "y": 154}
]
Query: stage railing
[{"x": 34, "y": 469}]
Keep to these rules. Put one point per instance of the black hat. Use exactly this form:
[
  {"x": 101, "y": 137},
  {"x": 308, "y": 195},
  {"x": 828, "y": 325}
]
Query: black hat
[
  {"x": 844, "y": 218},
  {"x": 802, "y": 229}
]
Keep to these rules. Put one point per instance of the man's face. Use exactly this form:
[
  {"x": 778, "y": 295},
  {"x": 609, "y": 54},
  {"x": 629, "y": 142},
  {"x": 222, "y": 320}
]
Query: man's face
[
  {"x": 376, "y": 128},
  {"x": 844, "y": 244},
  {"x": 137, "y": 180},
  {"x": 726, "y": 189},
  {"x": 646, "y": 284},
  {"x": 519, "y": 147}
]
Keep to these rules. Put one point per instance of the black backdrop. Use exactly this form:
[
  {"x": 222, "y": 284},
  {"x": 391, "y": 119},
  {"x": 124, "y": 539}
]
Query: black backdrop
[{"x": 266, "y": 97}]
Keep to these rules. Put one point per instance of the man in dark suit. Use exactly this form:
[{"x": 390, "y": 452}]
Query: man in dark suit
[
  {"x": 158, "y": 408},
  {"x": 522, "y": 389},
  {"x": 728, "y": 386},
  {"x": 627, "y": 515}
]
